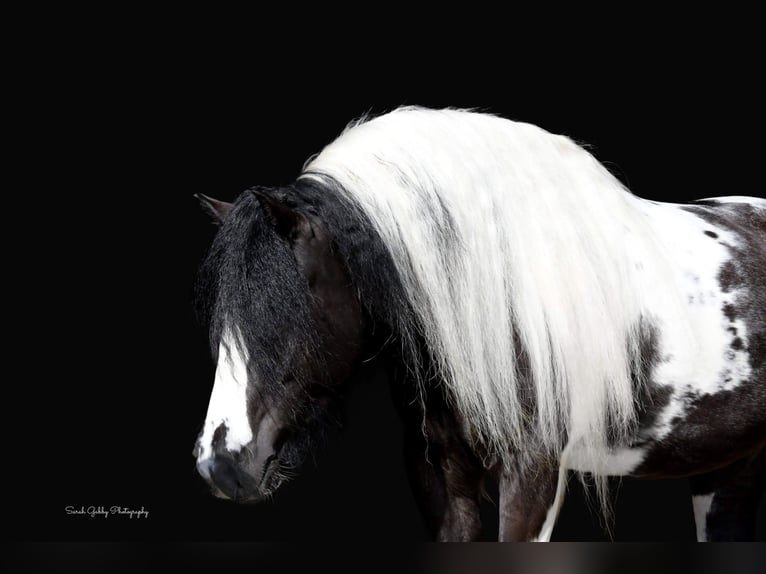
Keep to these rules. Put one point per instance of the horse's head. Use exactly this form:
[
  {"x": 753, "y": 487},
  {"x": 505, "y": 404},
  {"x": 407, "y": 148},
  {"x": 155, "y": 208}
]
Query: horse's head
[{"x": 286, "y": 330}]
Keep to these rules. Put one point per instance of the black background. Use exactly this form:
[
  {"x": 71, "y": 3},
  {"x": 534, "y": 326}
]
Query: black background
[{"x": 114, "y": 371}]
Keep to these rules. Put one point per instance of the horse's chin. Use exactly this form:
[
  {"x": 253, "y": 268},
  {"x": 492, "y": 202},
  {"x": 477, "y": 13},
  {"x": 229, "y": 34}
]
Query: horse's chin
[
  {"x": 273, "y": 478},
  {"x": 252, "y": 497}
]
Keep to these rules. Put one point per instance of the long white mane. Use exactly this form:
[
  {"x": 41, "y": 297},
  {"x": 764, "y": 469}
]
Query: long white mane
[{"x": 499, "y": 227}]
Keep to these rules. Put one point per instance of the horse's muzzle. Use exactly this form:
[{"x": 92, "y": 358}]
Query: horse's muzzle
[{"x": 229, "y": 480}]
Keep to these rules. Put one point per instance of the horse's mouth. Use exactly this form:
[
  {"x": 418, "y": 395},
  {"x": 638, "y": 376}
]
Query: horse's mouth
[{"x": 253, "y": 490}]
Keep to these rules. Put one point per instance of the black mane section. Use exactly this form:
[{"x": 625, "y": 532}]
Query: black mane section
[
  {"x": 250, "y": 280},
  {"x": 364, "y": 253}
]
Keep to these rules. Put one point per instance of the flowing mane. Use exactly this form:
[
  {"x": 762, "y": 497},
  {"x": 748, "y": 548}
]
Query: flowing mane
[{"x": 523, "y": 261}]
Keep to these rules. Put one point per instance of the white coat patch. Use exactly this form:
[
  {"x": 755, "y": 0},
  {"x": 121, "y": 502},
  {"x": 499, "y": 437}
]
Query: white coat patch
[{"x": 228, "y": 401}]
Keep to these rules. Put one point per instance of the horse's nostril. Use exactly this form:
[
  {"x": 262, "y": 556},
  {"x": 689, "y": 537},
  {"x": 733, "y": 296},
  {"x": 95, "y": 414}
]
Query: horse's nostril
[{"x": 225, "y": 476}]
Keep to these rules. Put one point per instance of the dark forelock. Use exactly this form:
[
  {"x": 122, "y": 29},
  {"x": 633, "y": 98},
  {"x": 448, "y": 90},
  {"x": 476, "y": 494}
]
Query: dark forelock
[{"x": 250, "y": 279}]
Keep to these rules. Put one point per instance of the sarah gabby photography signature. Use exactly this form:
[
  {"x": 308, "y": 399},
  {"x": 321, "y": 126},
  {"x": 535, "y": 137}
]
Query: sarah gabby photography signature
[{"x": 104, "y": 512}]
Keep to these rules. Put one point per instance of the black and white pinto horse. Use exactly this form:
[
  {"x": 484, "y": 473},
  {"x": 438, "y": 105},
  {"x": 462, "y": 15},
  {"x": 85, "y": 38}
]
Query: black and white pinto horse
[{"x": 535, "y": 318}]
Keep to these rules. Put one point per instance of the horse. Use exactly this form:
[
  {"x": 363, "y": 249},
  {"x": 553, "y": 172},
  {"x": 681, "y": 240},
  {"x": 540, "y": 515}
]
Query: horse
[{"x": 534, "y": 317}]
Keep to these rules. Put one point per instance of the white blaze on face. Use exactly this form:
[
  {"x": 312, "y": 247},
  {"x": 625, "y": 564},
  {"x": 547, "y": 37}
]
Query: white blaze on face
[{"x": 228, "y": 402}]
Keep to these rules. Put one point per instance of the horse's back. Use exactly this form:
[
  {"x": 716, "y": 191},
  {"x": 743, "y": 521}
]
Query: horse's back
[{"x": 755, "y": 202}]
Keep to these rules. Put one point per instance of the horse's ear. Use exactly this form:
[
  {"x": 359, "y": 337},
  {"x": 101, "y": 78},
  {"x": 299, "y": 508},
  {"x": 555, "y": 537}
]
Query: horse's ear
[
  {"x": 215, "y": 208},
  {"x": 288, "y": 222}
]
